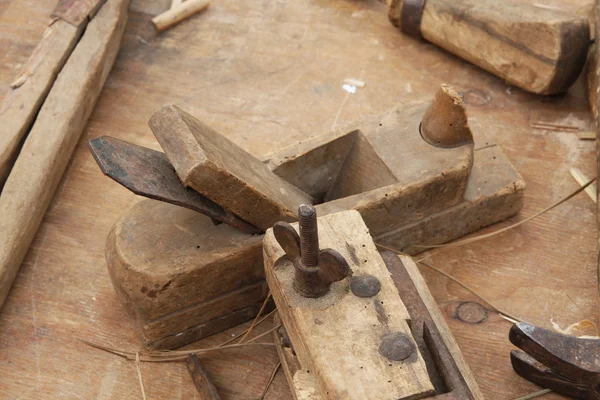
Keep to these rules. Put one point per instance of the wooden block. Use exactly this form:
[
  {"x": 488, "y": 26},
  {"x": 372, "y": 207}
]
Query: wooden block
[
  {"x": 220, "y": 170},
  {"x": 337, "y": 337},
  {"x": 537, "y": 49},
  {"x": 181, "y": 277},
  {"x": 446, "y": 366}
]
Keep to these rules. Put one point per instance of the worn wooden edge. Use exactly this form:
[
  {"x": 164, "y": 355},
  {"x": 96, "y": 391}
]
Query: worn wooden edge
[{"x": 440, "y": 322}]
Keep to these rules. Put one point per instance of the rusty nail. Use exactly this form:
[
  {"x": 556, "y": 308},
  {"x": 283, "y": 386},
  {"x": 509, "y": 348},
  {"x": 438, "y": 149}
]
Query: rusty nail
[
  {"x": 365, "y": 285},
  {"x": 396, "y": 346}
]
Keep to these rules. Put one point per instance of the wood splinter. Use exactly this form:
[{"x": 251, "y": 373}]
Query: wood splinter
[{"x": 179, "y": 11}]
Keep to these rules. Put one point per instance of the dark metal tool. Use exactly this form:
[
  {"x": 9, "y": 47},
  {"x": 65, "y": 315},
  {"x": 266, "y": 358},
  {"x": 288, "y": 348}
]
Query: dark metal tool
[
  {"x": 565, "y": 364},
  {"x": 149, "y": 173},
  {"x": 315, "y": 269}
]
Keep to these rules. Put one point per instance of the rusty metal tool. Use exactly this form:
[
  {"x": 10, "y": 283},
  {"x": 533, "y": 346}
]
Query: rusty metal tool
[{"x": 566, "y": 364}]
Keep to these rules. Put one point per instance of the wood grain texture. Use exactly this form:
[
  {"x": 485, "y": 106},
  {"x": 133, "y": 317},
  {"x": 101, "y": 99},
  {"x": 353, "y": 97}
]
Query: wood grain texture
[
  {"x": 337, "y": 336},
  {"x": 44, "y": 156},
  {"x": 271, "y": 76},
  {"x": 303, "y": 384},
  {"x": 21, "y": 104},
  {"x": 539, "y": 49},
  {"x": 214, "y": 166}
]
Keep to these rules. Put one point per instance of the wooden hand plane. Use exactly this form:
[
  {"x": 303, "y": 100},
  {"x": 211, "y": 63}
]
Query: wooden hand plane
[
  {"x": 191, "y": 264},
  {"x": 539, "y": 49},
  {"x": 365, "y": 326}
]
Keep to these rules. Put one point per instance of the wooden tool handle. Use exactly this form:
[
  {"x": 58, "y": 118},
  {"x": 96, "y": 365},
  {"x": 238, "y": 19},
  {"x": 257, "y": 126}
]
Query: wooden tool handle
[{"x": 537, "y": 49}]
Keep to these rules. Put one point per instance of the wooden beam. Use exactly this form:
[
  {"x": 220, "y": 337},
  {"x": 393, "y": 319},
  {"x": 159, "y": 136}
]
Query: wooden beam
[{"x": 58, "y": 126}]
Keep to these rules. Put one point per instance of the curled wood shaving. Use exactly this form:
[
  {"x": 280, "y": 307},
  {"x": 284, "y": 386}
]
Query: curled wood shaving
[{"x": 582, "y": 327}]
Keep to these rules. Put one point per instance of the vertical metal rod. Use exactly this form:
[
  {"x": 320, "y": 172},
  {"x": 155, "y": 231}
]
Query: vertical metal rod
[{"x": 309, "y": 235}]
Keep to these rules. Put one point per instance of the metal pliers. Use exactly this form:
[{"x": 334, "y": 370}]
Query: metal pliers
[{"x": 565, "y": 364}]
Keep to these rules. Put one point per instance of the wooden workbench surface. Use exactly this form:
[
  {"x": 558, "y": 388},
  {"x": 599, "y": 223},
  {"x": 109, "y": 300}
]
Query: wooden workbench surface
[{"x": 268, "y": 74}]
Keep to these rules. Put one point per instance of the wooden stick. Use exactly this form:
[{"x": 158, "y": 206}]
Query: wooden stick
[
  {"x": 22, "y": 102},
  {"x": 582, "y": 180},
  {"x": 587, "y": 135},
  {"x": 205, "y": 387},
  {"x": 48, "y": 148},
  {"x": 179, "y": 13}
]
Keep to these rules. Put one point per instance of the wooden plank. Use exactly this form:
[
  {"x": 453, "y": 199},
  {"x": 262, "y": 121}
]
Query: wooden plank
[
  {"x": 48, "y": 148},
  {"x": 219, "y": 169},
  {"x": 456, "y": 376},
  {"x": 539, "y": 49},
  {"x": 336, "y": 337},
  {"x": 24, "y": 99}
]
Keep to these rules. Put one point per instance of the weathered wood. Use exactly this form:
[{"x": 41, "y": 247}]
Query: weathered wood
[
  {"x": 169, "y": 265},
  {"x": 148, "y": 173},
  {"x": 178, "y": 12},
  {"x": 538, "y": 49},
  {"x": 446, "y": 366},
  {"x": 22, "y": 102},
  {"x": 302, "y": 384},
  {"x": 220, "y": 170},
  {"x": 437, "y": 197},
  {"x": 48, "y": 148},
  {"x": 203, "y": 384},
  {"x": 260, "y": 85},
  {"x": 158, "y": 243},
  {"x": 336, "y": 337}
]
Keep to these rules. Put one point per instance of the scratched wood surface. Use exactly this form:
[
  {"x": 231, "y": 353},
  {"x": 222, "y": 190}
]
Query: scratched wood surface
[{"x": 268, "y": 74}]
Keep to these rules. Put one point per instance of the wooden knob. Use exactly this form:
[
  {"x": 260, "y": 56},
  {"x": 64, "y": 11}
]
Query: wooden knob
[{"x": 445, "y": 122}]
